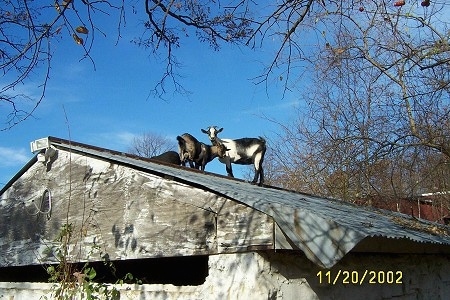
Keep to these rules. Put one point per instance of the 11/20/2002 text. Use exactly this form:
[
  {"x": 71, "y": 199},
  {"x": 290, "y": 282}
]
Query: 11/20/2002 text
[{"x": 360, "y": 277}]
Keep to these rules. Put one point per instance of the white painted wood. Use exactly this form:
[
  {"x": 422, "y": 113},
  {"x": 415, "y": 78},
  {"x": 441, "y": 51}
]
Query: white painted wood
[{"x": 119, "y": 212}]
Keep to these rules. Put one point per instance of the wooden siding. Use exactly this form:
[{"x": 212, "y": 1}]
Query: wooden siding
[{"x": 118, "y": 212}]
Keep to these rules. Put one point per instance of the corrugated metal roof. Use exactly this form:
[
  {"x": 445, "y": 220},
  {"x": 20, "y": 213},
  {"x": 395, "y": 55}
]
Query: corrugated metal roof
[{"x": 324, "y": 229}]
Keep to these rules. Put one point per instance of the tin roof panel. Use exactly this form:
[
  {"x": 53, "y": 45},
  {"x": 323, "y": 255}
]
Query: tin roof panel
[{"x": 324, "y": 229}]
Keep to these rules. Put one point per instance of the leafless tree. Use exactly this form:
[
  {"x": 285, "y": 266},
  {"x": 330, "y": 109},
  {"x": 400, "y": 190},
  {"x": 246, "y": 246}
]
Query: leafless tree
[
  {"x": 381, "y": 99},
  {"x": 377, "y": 122},
  {"x": 151, "y": 144},
  {"x": 415, "y": 38},
  {"x": 299, "y": 27},
  {"x": 379, "y": 109},
  {"x": 27, "y": 30}
]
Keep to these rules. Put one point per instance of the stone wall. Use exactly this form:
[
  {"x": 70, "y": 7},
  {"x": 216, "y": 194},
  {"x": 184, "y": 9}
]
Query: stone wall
[{"x": 290, "y": 275}]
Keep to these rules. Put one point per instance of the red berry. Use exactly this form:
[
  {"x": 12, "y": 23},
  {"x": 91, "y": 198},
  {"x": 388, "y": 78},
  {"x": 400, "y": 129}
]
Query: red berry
[
  {"x": 361, "y": 9},
  {"x": 399, "y": 3},
  {"x": 425, "y": 3}
]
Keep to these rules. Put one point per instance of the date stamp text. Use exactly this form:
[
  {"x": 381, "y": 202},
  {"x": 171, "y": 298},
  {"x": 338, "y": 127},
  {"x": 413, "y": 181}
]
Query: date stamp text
[{"x": 360, "y": 277}]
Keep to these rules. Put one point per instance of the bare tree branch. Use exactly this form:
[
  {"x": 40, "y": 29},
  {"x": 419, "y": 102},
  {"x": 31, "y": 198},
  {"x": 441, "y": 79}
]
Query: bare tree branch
[
  {"x": 151, "y": 144},
  {"x": 26, "y": 31}
]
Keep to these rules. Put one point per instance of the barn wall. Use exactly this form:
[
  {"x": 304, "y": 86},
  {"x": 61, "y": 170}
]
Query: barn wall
[
  {"x": 260, "y": 275},
  {"x": 118, "y": 212},
  {"x": 290, "y": 275}
]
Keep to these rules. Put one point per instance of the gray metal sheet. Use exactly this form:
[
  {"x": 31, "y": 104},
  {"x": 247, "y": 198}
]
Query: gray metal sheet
[{"x": 324, "y": 229}]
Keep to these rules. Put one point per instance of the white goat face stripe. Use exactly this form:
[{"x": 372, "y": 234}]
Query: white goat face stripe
[{"x": 212, "y": 132}]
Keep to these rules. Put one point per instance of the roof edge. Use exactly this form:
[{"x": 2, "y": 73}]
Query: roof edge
[{"x": 19, "y": 174}]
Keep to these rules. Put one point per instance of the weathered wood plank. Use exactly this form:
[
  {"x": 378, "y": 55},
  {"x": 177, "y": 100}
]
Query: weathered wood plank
[
  {"x": 120, "y": 213},
  {"x": 241, "y": 228}
]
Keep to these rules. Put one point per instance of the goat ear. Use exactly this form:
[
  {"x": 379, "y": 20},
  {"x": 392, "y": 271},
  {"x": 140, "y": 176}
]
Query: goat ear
[
  {"x": 204, "y": 131},
  {"x": 220, "y": 130},
  {"x": 180, "y": 140}
]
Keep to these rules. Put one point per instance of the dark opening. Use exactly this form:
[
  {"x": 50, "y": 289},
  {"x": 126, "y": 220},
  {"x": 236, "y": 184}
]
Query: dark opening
[{"x": 187, "y": 270}]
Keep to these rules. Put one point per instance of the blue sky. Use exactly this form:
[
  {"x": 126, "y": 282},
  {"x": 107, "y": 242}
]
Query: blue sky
[{"x": 108, "y": 105}]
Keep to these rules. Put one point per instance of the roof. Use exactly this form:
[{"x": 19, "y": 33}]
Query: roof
[{"x": 324, "y": 229}]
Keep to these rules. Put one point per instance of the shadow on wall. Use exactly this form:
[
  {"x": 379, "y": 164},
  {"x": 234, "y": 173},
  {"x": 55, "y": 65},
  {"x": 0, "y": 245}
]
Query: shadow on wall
[{"x": 387, "y": 275}]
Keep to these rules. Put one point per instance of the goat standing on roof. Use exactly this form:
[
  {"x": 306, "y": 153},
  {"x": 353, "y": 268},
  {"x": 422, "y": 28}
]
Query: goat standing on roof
[
  {"x": 196, "y": 153},
  {"x": 244, "y": 151},
  {"x": 170, "y": 157}
]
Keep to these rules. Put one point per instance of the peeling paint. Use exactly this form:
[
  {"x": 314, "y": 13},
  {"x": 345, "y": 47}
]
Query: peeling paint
[{"x": 125, "y": 212}]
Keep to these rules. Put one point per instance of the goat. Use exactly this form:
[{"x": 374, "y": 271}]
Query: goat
[
  {"x": 244, "y": 151},
  {"x": 189, "y": 149},
  {"x": 170, "y": 157},
  {"x": 196, "y": 153}
]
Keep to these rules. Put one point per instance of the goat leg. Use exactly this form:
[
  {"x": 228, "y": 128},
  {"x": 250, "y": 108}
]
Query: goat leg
[{"x": 229, "y": 169}]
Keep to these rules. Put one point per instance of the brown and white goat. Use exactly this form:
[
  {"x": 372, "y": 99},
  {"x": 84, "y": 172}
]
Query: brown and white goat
[
  {"x": 244, "y": 151},
  {"x": 196, "y": 153}
]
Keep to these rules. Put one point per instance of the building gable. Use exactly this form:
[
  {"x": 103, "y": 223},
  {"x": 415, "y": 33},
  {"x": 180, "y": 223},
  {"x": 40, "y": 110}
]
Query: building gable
[
  {"x": 127, "y": 207},
  {"x": 119, "y": 212}
]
